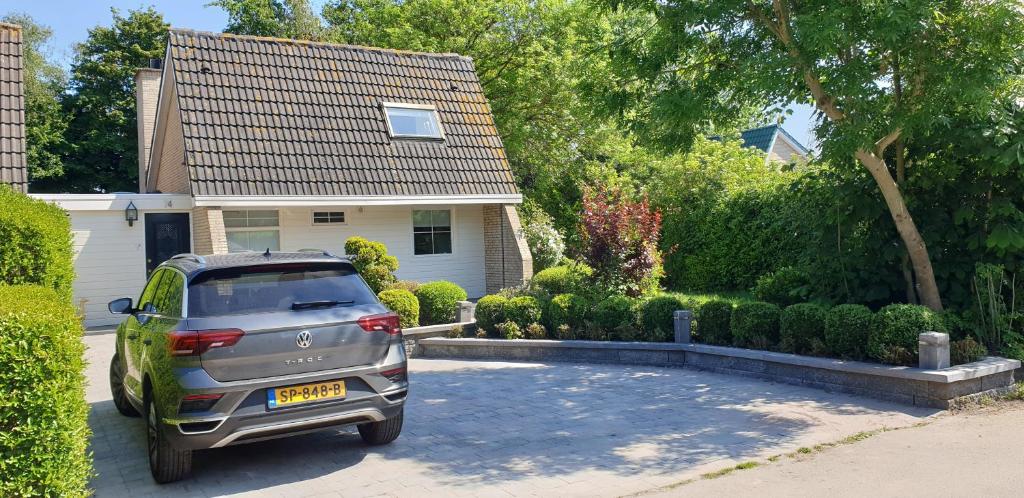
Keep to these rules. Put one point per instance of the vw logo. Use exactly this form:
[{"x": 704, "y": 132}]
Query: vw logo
[{"x": 304, "y": 339}]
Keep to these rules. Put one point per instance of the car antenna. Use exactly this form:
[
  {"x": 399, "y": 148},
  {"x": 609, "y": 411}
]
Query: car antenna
[{"x": 266, "y": 254}]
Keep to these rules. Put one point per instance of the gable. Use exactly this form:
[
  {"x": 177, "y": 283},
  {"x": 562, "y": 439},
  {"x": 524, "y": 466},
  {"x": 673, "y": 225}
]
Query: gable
[{"x": 263, "y": 116}]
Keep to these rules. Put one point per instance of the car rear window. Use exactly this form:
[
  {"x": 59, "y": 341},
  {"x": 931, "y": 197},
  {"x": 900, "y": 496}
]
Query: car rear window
[{"x": 268, "y": 288}]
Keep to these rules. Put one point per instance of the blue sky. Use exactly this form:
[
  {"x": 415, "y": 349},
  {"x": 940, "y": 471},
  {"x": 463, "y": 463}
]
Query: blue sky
[{"x": 71, "y": 20}]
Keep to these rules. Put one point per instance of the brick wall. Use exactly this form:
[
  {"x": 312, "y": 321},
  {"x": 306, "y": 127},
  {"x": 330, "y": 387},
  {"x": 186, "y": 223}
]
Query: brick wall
[
  {"x": 507, "y": 260},
  {"x": 208, "y": 233},
  {"x": 147, "y": 94}
]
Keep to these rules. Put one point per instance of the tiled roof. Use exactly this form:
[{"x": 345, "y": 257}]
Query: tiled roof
[
  {"x": 266, "y": 116},
  {"x": 761, "y": 138},
  {"x": 12, "y": 109}
]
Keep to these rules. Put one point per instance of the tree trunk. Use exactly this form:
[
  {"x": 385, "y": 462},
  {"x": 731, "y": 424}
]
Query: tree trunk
[{"x": 927, "y": 290}]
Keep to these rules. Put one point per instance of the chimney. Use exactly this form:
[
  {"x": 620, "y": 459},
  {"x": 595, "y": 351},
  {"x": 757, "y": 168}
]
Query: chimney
[{"x": 147, "y": 96}]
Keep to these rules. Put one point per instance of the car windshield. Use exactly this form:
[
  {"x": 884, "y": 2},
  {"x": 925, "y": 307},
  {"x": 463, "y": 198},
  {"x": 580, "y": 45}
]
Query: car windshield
[{"x": 269, "y": 288}]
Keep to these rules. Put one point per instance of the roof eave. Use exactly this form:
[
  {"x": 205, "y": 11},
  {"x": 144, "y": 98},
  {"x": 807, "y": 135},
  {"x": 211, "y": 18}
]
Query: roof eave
[{"x": 375, "y": 200}]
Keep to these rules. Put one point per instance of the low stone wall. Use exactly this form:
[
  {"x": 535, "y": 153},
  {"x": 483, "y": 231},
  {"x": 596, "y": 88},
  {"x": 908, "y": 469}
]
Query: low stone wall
[
  {"x": 413, "y": 335},
  {"x": 914, "y": 386}
]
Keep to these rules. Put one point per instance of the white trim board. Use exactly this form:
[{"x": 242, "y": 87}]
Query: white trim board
[
  {"x": 106, "y": 202},
  {"x": 370, "y": 200}
]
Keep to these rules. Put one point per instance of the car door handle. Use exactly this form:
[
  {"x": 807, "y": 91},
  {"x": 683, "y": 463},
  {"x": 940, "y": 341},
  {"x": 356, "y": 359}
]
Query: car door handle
[
  {"x": 147, "y": 341},
  {"x": 133, "y": 336}
]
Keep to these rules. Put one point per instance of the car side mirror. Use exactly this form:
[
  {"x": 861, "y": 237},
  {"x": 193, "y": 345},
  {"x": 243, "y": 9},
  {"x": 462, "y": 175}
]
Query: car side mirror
[{"x": 121, "y": 306}]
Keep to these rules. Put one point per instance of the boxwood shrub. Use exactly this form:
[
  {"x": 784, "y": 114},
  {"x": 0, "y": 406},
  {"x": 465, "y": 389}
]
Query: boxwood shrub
[
  {"x": 35, "y": 243},
  {"x": 43, "y": 429},
  {"x": 614, "y": 312},
  {"x": 846, "y": 330},
  {"x": 562, "y": 279},
  {"x": 490, "y": 311},
  {"x": 802, "y": 328},
  {"x": 523, "y": 310},
  {"x": 713, "y": 322},
  {"x": 438, "y": 301},
  {"x": 567, "y": 309},
  {"x": 784, "y": 287},
  {"x": 893, "y": 335},
  {"x": 755, "y": 325},
  {"x": 656, "y": 317},
  {"x": 404, "y": 303}
]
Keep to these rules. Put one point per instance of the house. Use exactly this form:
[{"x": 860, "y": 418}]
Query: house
[
  {"x": 12, "y": 108},
  {"x": 252, "y": 143},
  {"x": 776, "y": 143}
]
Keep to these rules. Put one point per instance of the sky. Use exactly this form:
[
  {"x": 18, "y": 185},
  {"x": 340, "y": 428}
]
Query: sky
[{"x": 70, "y": 21}]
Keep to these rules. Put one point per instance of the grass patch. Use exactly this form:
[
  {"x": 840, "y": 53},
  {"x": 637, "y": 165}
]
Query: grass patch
[
  {"x": 728, "y": 470},
  {"x": 1016, "y": 393},
  {"x": 698, "y": 298}
]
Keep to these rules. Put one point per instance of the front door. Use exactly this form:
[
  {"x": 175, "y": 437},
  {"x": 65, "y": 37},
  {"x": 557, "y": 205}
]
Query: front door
[{"x": 167, "y": 234}]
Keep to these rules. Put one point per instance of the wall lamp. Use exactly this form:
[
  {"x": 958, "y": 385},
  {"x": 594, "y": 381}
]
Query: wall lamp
[{"x": 131, "y": 213}]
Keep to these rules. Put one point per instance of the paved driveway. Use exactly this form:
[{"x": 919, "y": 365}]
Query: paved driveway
[{"x": 509, "y": 429}]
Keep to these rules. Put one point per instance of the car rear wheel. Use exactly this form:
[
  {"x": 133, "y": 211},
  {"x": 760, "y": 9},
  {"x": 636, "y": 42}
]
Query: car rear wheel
[
  {"x": 384, "y": 432},
  {"x": 166, "y": 463},
  {"x": 124, "y": 407}
]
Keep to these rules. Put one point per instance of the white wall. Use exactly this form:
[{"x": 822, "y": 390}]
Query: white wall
[{"x": 392, "y": 225}]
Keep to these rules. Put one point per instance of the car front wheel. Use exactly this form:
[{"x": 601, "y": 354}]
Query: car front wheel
[
  {"x": 124, "y": 407},
  {"x": 166, "y": 463},
  {"x": 384, "y": 432}
]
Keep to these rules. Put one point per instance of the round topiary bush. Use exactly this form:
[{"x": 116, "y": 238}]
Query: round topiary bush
[
  {"x": 566, "y": 309},
  {"x": 802, "y": 328},
  {"x": 509, "y": 330},
  {"x": 490, "y": 311},
  {"x": 846, "y": 330},
  {"x": 562, "y": 279},
  {"x": 613, "y": 312},
  {"x": 439, "y": 301},
  {"x": 372, "y": 260},
  {"x": 713, "y": 322},
  {"x": 656, "y": 317},
  {"x": 784, "y": 287},
  {"x": 523, "y": 310},
  {"x": 404, "y": 303},
  {"x": 536, "y": 331},
  {"x": 893, "y": 335},
  {"x": 755, "y": 325}
]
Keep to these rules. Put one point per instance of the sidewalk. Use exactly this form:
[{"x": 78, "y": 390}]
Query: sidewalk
[{"x": 979, "y": 453}]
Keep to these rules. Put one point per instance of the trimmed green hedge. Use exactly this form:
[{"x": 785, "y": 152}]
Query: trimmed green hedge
[
  {"x": 35, "y": 243},
  {"x": 713, "y": 322},
  {"x": 784, "y": 287},
  {"x": 614, "y": 312},
  {"x": 563, "y": 279},
  {"x": 755, "y": 325},
  {"x": 490, "y": 311},
  {"x": 43, "y": 429},
  {"x": 374, "y": 263},
  {"x": 404, "y": 303},
  {"x": 802, "y": 328},
  {"x": 566, "y": 309},
  {"x": 895, "y": 329},
  {"x": 439, "y": 302},
  {"x": 523, "y": 310},
  {"x": 846, "y": 330},
  {"x": 656, "y": 317}
]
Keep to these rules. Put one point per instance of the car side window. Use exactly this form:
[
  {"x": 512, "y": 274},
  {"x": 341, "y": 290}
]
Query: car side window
[
  {"x": 169, "y": 294},
  {"x": 146, "y": 299}
]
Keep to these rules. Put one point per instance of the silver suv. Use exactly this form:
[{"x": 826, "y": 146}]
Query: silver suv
[{"x": 236, "y": 348}]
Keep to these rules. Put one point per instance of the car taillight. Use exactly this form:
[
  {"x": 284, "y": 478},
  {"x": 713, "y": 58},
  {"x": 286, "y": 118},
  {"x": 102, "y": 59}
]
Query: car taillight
[
  {"x": 395, "y": 374},
  {"x": 384, "y": 322},
  {"x": 197, "y": 342},
  {"x": 198, "y": 402}
]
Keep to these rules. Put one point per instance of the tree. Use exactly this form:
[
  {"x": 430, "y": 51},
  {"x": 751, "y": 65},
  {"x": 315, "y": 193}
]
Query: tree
[
  {"x": 880, "y": 75},
  {"x": 620, "y": 240},
  {"x": 284, "y": 19},
  {"x": 103, "y": 129},
  {"x": 44, "y": 84}
]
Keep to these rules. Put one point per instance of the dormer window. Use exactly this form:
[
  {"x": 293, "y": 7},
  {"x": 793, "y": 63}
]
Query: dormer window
[{"x": 413, "y": 121}]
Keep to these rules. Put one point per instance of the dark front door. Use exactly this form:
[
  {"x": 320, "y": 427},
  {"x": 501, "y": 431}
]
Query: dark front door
[{"x": 166, "y": 235}]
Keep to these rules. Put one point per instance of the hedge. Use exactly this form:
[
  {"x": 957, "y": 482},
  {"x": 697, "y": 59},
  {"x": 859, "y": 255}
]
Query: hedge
[
  {"x": 372, "y": 260},
  {"x": 895, "y": 329},
  {"x": 404, "y": 303},
  {"x": 755, "y": 325},
  {"x": 656, "y": 317},
  {"x": 35, "y": 243},
  {"x": 43, "y": 412},
  {"x": 614, "y": 312},
  {"x": 846, "y": 330},
  {"x": 713, "y": 322},
  {"x": 563, "y": 279},
  {"x": 566, "y": 309},
  {"x": 523, "y": 310},
  {"x": 802, "y": 328},
  {"x": 439, "y": 302},
  {"x": 490, "y": 311},
  {"x": 784, "y": 287}
]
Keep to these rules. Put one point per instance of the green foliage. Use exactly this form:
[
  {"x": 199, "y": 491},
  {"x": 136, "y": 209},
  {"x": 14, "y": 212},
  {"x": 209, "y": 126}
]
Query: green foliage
[
  {"x": 374, "y": 263},
  {"x": 439, "y": 302},
  {"x": 279, "y": 18},
  {"x": 567, "y": 309},
  {"x": 801, "y": 327},
  {"x": 456, "y": 332},
  {"x": 35, "y": 243},
  {"x": 713, "y": 319},
  {"x": 656, "y": 317},
  {"x": 565, "y": 333},
  {"x": 44, "y": 443},
  {"x": 523, "y": 310},
  {"x": 562, "y": 279},
  {"x": 966, "y": 350},
  {"x": 614, "y": 312},
  {"x": 894, "y": 332},
  {"x": 846, "y": 330},
  {"x": 404, "y": 303},
  {"x": 546, "y": 244},
  {"x": 409, "y": 285},
  {"x": 490, "y": 311},
  {"x": 755, "y": 325},
  {"x": 536, "y": 331},
  {"x": 783, "y": 287},
  {"x": 510, "y": 330}
]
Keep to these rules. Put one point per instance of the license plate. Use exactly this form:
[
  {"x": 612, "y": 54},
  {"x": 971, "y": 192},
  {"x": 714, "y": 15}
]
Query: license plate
[{"x": 305, "y": 393}]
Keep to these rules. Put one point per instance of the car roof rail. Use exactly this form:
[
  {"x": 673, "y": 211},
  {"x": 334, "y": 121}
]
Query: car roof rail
[
  {"x": 197, "y": 259},
  {"x": 319, "y": 251}
]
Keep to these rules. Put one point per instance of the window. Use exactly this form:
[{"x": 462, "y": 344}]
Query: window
[
  {"x": 168, "y": 298},
  {"x": 146, "y": 299},
  {"x": 252, "y": 230},
  {"x": 328, "y": 217},
  {"x": 412, "y": 121},
  {"x": 432, "y": 232}
]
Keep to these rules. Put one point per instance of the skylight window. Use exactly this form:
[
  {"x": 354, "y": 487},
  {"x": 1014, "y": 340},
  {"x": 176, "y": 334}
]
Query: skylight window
[{"x": 413, "y": 121}]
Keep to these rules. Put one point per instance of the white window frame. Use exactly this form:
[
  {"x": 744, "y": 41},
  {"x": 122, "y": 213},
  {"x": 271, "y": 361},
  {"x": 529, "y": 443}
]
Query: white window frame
[
  {"x": 422, "y": 107},
  {"x": 267, "y": 228},
  {"x": 312, "y": 217},
  {"x": 412, "y": 231}
]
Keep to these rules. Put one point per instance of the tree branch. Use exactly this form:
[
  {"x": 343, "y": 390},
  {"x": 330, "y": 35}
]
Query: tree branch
[{"x": 884, "y": 142}]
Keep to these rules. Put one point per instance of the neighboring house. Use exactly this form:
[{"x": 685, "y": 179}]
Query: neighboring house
[
  {"x": 250, "y": 143},
  {"x": 776, "y": 143},
  {"x": 12, "y": 108}
]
